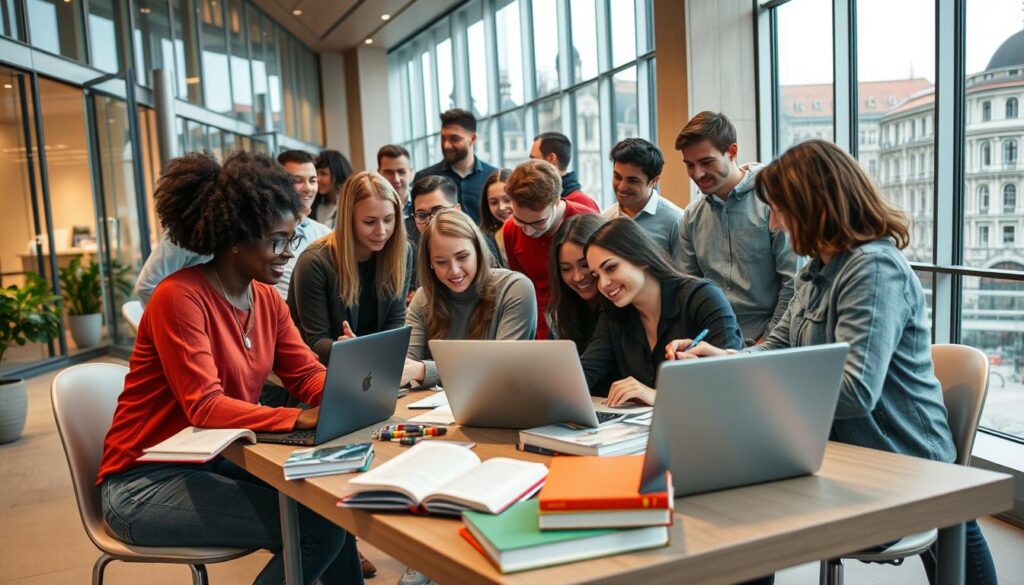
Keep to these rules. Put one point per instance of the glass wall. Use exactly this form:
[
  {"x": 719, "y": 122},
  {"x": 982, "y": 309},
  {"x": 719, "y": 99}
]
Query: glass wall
[
  {"x": 502, "y": 60},
  {"x": 957, "y": 175}
]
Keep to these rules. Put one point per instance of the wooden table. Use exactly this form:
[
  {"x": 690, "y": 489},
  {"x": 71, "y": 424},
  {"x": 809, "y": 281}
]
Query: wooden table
[{"x": 860, "y": 498}]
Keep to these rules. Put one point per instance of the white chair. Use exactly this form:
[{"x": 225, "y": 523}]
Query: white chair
[
  {"x": 84, "y": 398},
  {"x": 132, "y": 313},
  {"x": 963, "y": 374}
]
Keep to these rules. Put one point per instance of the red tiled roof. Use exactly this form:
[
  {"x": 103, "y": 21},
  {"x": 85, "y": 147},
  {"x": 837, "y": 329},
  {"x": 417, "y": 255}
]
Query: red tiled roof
[{"x": 881, "y": 91}]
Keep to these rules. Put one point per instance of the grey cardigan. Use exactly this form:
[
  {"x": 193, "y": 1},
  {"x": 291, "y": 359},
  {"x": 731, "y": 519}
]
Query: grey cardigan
[
  {"x": 317, "y": 309},
  {"x": 515, "y": 316}
]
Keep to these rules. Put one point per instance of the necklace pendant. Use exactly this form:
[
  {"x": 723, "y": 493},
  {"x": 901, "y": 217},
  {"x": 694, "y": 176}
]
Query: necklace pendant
[{"x": 247, "y": 342}]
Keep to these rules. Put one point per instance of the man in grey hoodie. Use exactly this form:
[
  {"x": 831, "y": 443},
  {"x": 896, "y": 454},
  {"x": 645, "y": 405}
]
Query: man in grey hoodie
[{"x": 725, "y": 233}]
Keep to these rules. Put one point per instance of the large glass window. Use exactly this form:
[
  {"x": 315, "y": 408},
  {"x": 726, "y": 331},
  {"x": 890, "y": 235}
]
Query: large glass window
[
  {"x": 445, "y": 74},
  {"x": 584, "y": 39},
  {"x": 510, "y": 56},
  {"x": 241, "y": 73},
  {"x": 154, "y": 47},
  {"x": 186, "y": 51},
  {"x": 104, "y": 33},
  {"x": 804, "y": 39},
  {"x": 10, "y": 19},
  {"x": 545, "y": 45},
  {"x": 478, "y": 86},
  {"x": 57, "y": 26},
  {"x": 623, "y": 19},
  {"x": 216, "y": 70}
]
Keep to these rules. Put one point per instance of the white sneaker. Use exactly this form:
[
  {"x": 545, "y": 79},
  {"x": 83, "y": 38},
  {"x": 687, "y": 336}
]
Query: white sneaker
[{"x": 414, "y": 577}]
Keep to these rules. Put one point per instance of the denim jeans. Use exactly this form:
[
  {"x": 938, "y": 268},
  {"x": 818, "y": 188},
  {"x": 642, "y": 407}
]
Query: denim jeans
[
  {"x": 978, "y": 566},
  {"x": 220, "y": 504}
]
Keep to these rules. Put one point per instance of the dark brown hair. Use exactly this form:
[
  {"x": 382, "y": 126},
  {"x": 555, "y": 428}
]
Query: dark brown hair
[
  {"x": 569, "y": 316},
  {"x": 392, "y": 151},
  {"x": 707, "y": 126},
  {"x": 489, "y": 223},
  {"x": 829, "y": 202},
  {"x": 459, "y": 117}
]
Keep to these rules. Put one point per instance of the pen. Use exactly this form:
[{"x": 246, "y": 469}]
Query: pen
[
  {"x": 700, "y": 337},
  {"x": 406, "y": 440}
]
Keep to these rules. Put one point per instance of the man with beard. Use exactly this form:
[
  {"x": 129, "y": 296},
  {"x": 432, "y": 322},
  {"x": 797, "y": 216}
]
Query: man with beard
[
  {"x": 725, "y": 233},
  {"x": 460, "y": 164}
]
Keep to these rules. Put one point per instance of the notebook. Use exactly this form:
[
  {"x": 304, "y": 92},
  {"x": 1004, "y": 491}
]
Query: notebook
[{"x": 194, "y": 445}]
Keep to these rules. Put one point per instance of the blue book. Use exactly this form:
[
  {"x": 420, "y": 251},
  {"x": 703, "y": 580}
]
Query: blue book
[{"x": 317, "y": 461}]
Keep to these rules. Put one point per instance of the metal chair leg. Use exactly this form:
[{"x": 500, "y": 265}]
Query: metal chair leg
[
  {"x": 199, "y": 576},
  {"x": 831, "y": 572},
  {"x": 98, "y": 567}
]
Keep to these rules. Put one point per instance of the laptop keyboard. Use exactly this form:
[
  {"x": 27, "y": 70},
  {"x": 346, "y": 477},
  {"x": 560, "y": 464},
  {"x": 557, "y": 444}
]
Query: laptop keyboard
[
  {"x": 297, "y": 437},
  {"x": 603, "y": 417}
]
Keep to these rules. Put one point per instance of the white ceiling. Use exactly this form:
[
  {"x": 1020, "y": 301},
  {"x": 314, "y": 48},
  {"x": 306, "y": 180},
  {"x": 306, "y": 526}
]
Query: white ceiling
[{"x": 339, "y": 25}]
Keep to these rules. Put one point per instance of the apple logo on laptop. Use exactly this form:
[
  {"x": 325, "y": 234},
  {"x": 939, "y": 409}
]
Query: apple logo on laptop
[{"x": 367, "y": 382}]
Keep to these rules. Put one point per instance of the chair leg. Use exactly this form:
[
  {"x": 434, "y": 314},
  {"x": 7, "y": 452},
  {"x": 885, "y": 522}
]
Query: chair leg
[
  {"x": 831, "y": 572},
  {"x": 199, "y": 576},
  {"x": 98, "y": 567}
]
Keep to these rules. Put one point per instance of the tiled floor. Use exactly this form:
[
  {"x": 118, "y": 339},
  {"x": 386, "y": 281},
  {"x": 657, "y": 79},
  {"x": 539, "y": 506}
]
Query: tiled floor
[{"x": 42, "y": 540}]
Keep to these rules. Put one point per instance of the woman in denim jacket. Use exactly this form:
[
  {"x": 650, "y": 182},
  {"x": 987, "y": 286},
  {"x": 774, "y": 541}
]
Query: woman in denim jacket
[{"x": 859, "y": 289}]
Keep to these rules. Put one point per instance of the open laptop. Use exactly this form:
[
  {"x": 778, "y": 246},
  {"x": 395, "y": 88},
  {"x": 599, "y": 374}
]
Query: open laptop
[
  {"x": 731, "y": 421},
  {"x": 515, "y": 384},
  {"x": 361, "y": 387}
]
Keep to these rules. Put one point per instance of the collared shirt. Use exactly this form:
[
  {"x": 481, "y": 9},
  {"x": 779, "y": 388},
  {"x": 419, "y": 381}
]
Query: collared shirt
[
  {"x": 308, "y": 231},
  {"x": 166, "y": 259},
  {"x": 889, "y": 398},
  {"x": 688, "y": 305},
  {"x": 471, "y": 186},
  {"x": 660, "y": 218},
  {"x": 729, "y": 242}
]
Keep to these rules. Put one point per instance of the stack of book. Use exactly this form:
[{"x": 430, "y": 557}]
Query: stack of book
[
  {"x": 618, "y": 438},
  {"x": 589, "y": 507},
  {"x": 318, "y": 461}
]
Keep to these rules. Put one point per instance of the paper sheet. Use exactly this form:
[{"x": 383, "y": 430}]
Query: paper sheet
[
  {"x": 441, "y": 415},
  {"x": 433, "y": 401}
]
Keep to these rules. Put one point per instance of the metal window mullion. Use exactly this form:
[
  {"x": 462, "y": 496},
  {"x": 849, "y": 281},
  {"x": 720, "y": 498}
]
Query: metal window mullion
[
  {"x": 565, "y": 70},
  {"x": 418, "y": 110},
  {"x": 435, "y": 71},
  {"x": 197, "y": 25},
  {"x": 843, "y": 62},
  {"x": 491, "y": 52},
  {"x": 606, "y": 108},
  {"x": 948, "y": 151},
  {"x": 764, "y": 82},
  {"x": 460, "y": 59},
  {"x": 529, "y": 71},
  {"x": 86, "y": 37},
  {"x": 604, "y": 36},
  {"x": 644, "y": 113},
  {"x": 642, "y": 23},
  {"x": 223, "y": 4}
]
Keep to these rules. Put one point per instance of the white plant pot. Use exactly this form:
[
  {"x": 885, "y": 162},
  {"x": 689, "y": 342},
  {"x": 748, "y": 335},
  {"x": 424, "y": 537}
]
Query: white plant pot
[
  {"x": 13, "y": 408},
  {"x": 86, "y": 330}
]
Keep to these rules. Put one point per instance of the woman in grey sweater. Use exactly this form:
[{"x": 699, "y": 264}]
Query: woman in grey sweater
[{"x": 461, "y": 296}]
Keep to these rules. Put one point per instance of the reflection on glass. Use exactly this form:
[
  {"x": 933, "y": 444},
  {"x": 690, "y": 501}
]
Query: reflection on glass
[
  {"x": 274, "y": 83},
  {"x": 477, "y": 69},
  {"x": 510, "y": 57},
  {"x": 103, "y": 35},
  {"x": 215, "y": 143},
  {"x": 805, "y": 72},
  {"x": 154, "y": 48},
  {"x": 514, "y": 146},
  {"x": 420, "y": 155},
  {"x": 623, "y": 18},
  {"x": 430, "y": 111},
  {"x": 10, "y": 16},
  {"x": 588, "y": 141},
  {"x": 624, "y": 102},
  {"x": 482, "y": 149},
  {"x": 260, "y": 96},
  {"x": 241, "y": 78},
  {"x": 186, "y": 56},
  {"x": 216, "y": 72},
  {"x": 56, "y": 26},
  {"x": 545, "y": 45},
  {"x": 445, "y": 81},
  {"x": 584, "y": 39},
  {"x": 195, "y": 137},
  {"x": 895, "y": 113},
  {"x": 150, "y": 168},
  {"x": 993, "y": 309},
  {"x": 433, "y": 146},
  {"x": 549, "y": 115}
]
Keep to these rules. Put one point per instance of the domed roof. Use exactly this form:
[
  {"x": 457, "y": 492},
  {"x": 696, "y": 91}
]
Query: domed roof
[{"x": 1010, "y": 53}]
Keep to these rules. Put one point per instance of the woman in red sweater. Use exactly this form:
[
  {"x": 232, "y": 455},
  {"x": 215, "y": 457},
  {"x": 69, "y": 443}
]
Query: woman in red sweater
[{"x": 208, "y": 339}]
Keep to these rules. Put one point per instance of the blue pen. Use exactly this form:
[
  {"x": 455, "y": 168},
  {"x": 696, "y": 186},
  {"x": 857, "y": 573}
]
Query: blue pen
[{"x": 700, "y": 337}]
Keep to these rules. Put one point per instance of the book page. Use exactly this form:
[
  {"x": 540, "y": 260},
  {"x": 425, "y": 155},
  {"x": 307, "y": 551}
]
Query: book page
[
  {"x": 200, "y": 441},
  {"x": 494, "y": 484},
  {"x": 420, "y": 471}
]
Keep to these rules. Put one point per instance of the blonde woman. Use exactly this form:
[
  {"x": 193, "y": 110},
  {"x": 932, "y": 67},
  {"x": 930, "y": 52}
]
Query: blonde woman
[
  {"x": 461, "y": 296},
  {"x": 353, "y": 281}
]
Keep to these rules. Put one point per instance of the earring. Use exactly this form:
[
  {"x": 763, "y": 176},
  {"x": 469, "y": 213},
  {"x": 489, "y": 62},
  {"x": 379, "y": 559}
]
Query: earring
[{"x": 235, "y": 250}]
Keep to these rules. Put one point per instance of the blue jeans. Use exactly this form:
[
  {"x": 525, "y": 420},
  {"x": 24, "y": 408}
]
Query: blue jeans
[
  {"x": 221, "y": 504},
  {"x": 978, "y": 566}
]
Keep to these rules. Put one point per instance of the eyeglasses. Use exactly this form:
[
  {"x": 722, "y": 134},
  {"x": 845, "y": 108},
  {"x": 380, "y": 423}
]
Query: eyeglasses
[
  {"x": 422, "y": 217},
  {"x": 278, "y": 244},
  {"x": 532, "y": 224}
]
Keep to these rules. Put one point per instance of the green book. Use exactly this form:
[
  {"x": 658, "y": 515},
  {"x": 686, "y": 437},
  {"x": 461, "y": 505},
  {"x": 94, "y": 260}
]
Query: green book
[{"x": 513, "y": 541}]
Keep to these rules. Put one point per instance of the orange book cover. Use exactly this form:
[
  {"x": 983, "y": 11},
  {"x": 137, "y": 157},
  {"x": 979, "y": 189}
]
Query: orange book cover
[{"x": 598, "y": 483}]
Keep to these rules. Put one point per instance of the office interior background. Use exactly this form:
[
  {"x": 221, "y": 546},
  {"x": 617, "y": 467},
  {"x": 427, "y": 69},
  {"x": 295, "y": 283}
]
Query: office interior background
[{"x": 95, "y": 95}]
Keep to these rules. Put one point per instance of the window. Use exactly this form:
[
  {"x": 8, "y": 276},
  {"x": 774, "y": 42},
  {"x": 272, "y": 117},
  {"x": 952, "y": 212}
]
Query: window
[
  {"x": 104, "y": 32},
  {"x": 545, "y": 45},
  {"x": 584, "y": 39},
  {"x": 983, "y": 236},
  {"x": 478, "y": 86},
  {"x": 1011, "y": 108},
  {"x": 1008, "y": 233},
  {"x": 57, "y": 26},
  {"x": 986, "y": 154},
  {"x": 983, "y": 199},
  {"x": 186, "y": 51},
  {"x": 623, "y": 20},
  {"x": 1009, "y": 152},
  {"x": 510, "y": 56},
  {"x": 986, "y": 111},
  {"x": 1009, "y": 198},
  {"x": 804, "y": 61}
]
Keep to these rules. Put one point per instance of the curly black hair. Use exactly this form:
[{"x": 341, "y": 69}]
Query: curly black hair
[{"x": 207, "y": 208}]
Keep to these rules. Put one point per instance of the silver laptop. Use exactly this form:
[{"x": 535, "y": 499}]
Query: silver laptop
[
  {"x": 515, "y": 384},
  {"x": 361, "y": 387},
  {"x": 739, "y": 420}
]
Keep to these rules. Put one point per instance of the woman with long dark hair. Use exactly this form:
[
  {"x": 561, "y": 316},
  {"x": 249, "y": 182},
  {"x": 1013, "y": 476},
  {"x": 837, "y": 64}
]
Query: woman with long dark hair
[
  {"x": 495, "y": 208},
  {"x": 332, "y": 170},
  {"x": 859, "y": 289},
  {"x": 646, "y": 303}
]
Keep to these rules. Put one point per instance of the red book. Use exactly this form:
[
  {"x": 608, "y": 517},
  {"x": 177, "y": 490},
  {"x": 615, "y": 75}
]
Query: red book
[{"x": 599, "y": 483}]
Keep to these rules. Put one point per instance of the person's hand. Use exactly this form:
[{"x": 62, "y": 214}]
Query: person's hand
[
  {"x": 308, "y": 418},
  {"x": 346, "y": 332},
  {"x": 413, "y": 371},
  {"x": 629, "y": 389},
  {"x": 408, "y": 297},
  {"x": 679, "y": 349}
]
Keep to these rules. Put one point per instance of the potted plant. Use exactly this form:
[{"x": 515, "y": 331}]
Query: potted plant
[
  {"x": 27, "y": 313},
  {"x": 83, "y": 298}
]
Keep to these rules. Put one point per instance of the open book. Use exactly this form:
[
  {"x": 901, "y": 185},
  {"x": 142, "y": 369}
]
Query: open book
[
  {"x": 439, "y": 478},
  {"x": 194, "y": 445}
]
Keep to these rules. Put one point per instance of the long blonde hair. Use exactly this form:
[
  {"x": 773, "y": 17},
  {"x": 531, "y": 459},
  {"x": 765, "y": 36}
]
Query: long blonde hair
[
  {"x": 455, "y": 224},
  {"x": 390, "y": 274}
]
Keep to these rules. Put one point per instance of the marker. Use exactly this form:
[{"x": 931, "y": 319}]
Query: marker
[
  {"x": 700, "y": 337},
  {"x": 406, "y": 440}
]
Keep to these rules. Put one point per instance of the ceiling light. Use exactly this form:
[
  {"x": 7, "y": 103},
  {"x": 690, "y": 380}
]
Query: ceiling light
[
  {"x": 8, "y": 86},
  {"x": 192, "y": 80},
  {"x": 297, "y": 12},
  {"x": 145, "y": 10},
  {"x": 385, "y": 17},
  {"x": 368, "y": 41}
]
